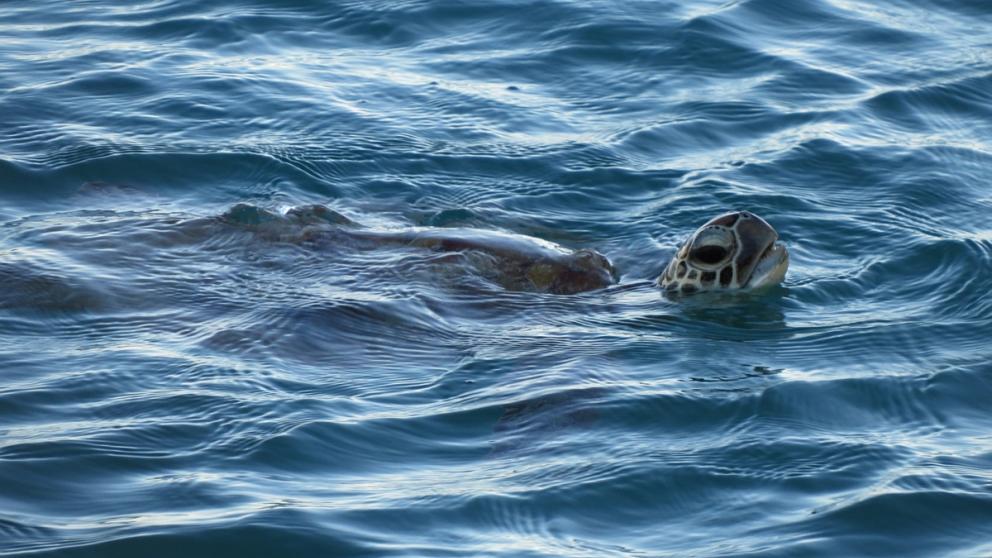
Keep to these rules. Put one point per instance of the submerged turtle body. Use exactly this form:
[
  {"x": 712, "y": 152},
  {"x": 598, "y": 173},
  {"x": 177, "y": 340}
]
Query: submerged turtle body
[{"x": 515, "y": 261}]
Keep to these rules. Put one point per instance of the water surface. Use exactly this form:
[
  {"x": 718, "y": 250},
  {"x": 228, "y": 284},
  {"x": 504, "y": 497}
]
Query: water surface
[{"x": 177, "y": 382}]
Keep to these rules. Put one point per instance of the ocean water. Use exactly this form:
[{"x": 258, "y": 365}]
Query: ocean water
[{"x": 179, "y": 379}]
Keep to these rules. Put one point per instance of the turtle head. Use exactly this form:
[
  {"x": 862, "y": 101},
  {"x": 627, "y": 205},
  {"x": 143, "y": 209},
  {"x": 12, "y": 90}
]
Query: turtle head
[{"x": 736, "y": 250}]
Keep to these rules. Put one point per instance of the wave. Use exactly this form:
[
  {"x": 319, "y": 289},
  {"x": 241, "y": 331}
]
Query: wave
[{"x": 200, "y": 353}]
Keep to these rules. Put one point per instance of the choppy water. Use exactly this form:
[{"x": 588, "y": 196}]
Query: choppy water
[{"x": 175, "y": 384}]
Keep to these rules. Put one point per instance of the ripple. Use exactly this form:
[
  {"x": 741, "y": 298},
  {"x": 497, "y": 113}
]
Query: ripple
[{"x": 190, "y": 366}]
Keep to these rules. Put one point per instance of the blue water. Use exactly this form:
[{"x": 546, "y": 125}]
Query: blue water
[{"x": 173, "y": 383}]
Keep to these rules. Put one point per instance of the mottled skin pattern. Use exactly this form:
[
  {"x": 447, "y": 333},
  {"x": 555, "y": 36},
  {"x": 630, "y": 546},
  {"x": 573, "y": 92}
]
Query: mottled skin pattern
[{"x": 737, "y": 250}]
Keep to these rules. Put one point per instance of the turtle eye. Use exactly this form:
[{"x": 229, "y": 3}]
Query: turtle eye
[
  {"x": 711, "y": 246},
  {"x": 710, "y": 254}
]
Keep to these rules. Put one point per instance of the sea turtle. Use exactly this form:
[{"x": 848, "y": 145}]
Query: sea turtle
[{"x": 736, "y": 250}]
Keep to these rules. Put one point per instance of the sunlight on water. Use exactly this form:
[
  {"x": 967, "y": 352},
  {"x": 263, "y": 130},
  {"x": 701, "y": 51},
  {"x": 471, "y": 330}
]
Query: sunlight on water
[{"x": 244, "y": 309}]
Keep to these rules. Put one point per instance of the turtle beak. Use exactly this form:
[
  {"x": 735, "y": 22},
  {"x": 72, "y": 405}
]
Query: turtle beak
[
  {"x": 762, "y": 259},
  {"x": 771, "y": 267}
]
